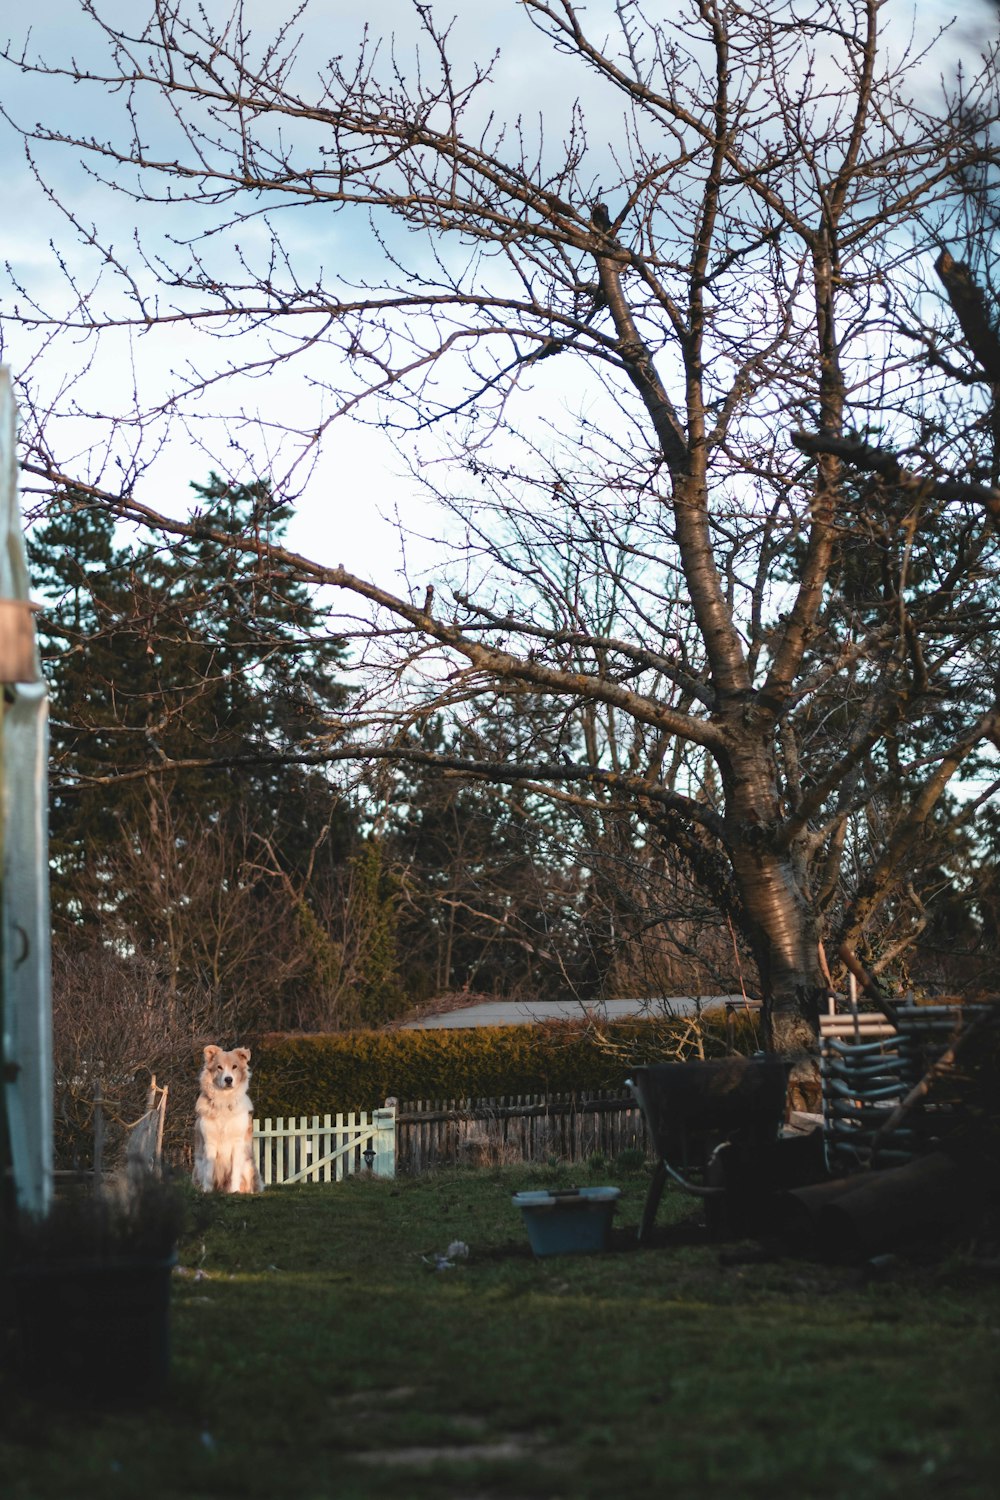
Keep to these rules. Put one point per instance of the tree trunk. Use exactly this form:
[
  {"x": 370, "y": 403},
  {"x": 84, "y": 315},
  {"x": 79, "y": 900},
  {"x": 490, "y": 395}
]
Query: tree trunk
[{"x": 778, "y": 918}]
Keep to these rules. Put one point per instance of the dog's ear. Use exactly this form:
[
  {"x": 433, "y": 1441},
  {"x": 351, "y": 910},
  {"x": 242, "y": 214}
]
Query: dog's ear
[
  {"x": 243, "y": 1053},
  {"x": 211, "y": 1052}
]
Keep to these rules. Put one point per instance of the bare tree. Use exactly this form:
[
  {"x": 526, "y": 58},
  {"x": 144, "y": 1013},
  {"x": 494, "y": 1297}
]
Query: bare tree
[
  {"x": 612, "y": 330},
  {"x": 215, "y": 913}
]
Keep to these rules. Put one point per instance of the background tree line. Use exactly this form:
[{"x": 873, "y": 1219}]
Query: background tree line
[
  {"x": 195, "y": 826},
  {"x": 211, "y": 878}
]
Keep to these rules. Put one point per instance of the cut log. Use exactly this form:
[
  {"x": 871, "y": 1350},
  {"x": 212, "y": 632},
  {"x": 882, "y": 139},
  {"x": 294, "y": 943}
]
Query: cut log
[{"x": 856, "y": 1217}]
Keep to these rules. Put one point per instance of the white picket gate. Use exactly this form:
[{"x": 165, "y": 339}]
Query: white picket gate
[{"x": 325, "y": 1148}]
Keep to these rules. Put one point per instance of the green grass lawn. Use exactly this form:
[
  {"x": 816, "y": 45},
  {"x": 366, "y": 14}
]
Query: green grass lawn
[{"x": 317, "y": 1353}]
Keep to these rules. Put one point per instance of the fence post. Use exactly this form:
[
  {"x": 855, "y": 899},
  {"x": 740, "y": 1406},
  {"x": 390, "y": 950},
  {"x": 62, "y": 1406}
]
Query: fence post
[{"x": 384, "y": 1140}]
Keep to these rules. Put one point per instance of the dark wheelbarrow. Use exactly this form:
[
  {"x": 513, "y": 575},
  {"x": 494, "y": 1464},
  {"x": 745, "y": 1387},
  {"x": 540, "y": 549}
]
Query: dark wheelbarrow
[{"x": 714, "y": 1128}]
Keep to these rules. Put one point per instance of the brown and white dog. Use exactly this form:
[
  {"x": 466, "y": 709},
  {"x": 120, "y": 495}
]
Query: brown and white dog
[{"x": 223, "y": 1130}]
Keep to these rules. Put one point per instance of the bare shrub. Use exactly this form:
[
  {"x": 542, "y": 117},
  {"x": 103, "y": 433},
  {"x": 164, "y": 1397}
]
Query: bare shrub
[{"x": 115, "y": 1023}]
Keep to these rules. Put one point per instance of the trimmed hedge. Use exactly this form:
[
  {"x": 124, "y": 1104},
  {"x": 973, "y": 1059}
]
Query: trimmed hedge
[{"x": 317, "y": 1074}]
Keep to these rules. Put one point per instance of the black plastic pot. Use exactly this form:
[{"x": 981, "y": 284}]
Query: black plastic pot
[{"x": 94, "y": 1330}]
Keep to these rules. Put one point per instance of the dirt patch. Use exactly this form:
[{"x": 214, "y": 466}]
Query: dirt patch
[
  {"x": 510, "y": 1448},
  {"x": 372, "y": 1398}
]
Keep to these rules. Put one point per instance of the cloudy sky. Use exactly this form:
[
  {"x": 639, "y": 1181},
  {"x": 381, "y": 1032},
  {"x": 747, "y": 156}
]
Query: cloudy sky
[{"x": 348, "y": 507}]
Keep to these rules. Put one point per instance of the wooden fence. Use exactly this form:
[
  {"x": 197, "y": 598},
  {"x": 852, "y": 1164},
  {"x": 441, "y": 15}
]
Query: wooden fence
[
  {"x": 421, "y": 1135},
  {"x": 560, "y": 1127}
]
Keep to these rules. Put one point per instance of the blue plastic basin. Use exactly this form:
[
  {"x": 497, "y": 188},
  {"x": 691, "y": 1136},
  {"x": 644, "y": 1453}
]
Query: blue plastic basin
[{"x": 576, "y": 1221}]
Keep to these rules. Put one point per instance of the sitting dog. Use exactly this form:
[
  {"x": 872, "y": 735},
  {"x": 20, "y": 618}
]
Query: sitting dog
[{"x": 223, "y": 1131}]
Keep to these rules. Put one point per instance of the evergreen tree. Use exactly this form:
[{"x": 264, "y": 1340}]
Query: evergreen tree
[
  {"x": 91, "y": 664},
  {"x": 489, "y": 890},
  {"x": 379, "y": 988},
  {"x": 187, "y": 673}
]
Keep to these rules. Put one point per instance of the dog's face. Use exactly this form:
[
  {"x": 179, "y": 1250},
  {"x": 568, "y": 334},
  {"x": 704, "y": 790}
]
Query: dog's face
[{"x": 225, "y": 1070}]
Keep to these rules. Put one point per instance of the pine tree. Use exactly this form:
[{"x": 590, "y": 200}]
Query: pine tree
[
  {"x": 90, "y": 663},
  {"x": 188, "y": 674},
  {"x": 489, "y": 889}
]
